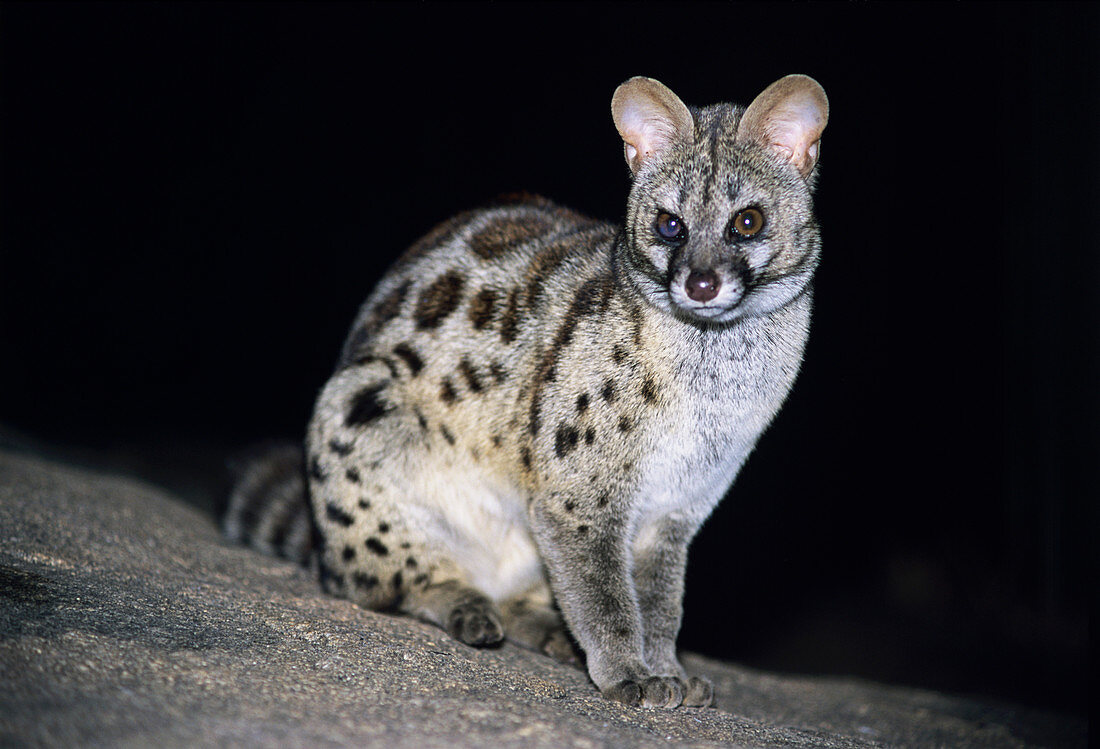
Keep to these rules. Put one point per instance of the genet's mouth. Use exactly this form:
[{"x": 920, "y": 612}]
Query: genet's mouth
[{"x": 707, "y": 312}]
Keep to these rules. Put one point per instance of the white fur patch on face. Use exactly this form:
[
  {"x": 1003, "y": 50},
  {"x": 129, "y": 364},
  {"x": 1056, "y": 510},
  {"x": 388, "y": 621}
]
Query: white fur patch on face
[{"x": 731, "y": 290}]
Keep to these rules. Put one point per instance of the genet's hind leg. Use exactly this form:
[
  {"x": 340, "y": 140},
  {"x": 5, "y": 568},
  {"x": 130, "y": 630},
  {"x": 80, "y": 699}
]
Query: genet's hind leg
[
  {"x": 463, "y": 611},
  {"x": 531, "y": 621}
]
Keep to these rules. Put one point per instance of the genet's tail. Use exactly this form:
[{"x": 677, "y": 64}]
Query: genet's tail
[{"x": 268, "y": 506}]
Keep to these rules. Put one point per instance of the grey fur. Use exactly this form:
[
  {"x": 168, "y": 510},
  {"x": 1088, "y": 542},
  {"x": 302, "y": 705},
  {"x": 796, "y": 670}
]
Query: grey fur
[{"x": 533, "y": 414}]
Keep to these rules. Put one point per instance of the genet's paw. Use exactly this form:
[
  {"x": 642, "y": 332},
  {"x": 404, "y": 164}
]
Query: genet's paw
[
  {"x": 657, "y": 691},
  {"x": 698, "y": 692},
  {"x": 476, "y": 623}
]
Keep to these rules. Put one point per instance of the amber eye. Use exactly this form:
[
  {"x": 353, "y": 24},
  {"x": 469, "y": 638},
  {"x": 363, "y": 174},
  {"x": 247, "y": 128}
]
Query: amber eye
[
  {"x": 747, "y": 223},
  {"x": 671, "y": 227}
]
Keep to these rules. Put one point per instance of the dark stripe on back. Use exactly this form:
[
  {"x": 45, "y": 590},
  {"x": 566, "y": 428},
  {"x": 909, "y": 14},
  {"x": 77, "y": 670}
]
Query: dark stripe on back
[
  {"x": 439, "y": 300},
  {"x": 412, "y": 359},
  {"x": 509, "y": 322},
  {"x": 483, "y": 308},
  {"x": 505, "y": 233},
  {"x": 591, "y": 298}
]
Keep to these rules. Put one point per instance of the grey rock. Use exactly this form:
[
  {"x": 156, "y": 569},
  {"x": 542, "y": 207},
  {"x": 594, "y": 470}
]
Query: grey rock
[{"x": 126, "y": 620}]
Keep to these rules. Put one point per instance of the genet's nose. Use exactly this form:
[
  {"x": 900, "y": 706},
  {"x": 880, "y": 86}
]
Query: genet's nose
[{"x": 702, "y": 286}]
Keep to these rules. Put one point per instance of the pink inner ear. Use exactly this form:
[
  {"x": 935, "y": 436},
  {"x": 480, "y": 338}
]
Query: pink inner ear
[
  {"x": 795, "y": 131},
  {"x": 644, "y": 134}
]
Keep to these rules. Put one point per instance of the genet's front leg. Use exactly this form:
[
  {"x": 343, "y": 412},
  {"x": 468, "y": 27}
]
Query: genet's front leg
[
  {"x": 590, "y": 569},
  {"x": 660, "y": 562}
]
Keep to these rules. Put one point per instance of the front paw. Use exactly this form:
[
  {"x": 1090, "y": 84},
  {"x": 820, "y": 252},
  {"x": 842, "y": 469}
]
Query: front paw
[
  {"x": 657, "y": 691},
  {"x": 698, "y": 692}
]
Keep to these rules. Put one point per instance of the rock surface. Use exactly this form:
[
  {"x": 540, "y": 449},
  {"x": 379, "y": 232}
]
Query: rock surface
[{"x": 126, "y": 620}]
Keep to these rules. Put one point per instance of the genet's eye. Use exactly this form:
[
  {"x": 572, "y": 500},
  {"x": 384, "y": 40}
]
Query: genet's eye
[
  {"x": 671, "y": 227},
  {"x": 747, "y": 223}
]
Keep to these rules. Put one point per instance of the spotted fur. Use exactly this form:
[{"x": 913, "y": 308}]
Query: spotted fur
[{"x": 535, "y": 411}]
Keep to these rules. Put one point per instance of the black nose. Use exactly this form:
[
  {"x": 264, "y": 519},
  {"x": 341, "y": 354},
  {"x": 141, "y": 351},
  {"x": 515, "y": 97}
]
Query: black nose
[{"x": 702, "y": 286}]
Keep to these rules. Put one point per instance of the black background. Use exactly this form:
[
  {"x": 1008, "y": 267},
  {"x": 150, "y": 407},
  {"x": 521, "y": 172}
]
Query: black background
[{"x": 196, "y": 198}]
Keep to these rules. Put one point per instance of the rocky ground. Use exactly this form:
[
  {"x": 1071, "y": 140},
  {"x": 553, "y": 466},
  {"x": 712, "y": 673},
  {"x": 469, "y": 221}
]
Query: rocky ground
[{"x": 127, "y": 621}]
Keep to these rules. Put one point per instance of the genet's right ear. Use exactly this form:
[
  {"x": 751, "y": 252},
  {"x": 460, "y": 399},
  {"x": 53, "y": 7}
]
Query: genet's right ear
[{"x": 650, "y": 118}]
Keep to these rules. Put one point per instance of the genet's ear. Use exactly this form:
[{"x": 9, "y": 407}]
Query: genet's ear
[
  {"x": 789, "y": 117},
  {"x": 650, "y": 118}
]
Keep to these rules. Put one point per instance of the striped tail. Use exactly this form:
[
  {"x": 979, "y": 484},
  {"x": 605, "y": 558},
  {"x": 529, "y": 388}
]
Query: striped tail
[{"x": 268, "y": 506}]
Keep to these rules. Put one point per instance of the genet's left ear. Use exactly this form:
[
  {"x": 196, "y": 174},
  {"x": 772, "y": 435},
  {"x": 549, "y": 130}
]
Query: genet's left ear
[{"x": 789, "y": 117}]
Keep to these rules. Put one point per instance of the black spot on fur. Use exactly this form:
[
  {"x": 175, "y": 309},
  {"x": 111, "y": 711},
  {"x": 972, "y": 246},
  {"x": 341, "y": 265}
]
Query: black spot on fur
[
  {"x": 525, "y": 458},
  {"x": 592, "y": 296},
  {"x": 352, "y": 475},
  {"x": 565, "y": 439},
  {"x": 608, "y": 393},
  {"x": 470, "y": 375},
  {"x": 364, "y": 581},
  {"x": 550, "y": 374},
  {"x": 315, "y": 471},
  {"x": 383, "y": 527},
  {"x": 365, "y": 406},
  {"x": 342, "y": 449},
  {"x": 439, "y": 300},
  {"x": 364, "y": 504},
  {"x": 499, "y": 373},
  {"x": 569, "y": 505},
  {"x": 377, "y": 546},
  {"x": 509, "y": 321},
  {"x": 447, "y": 434},
  {"x": 349, "y": 554},
  {"x": 412, "y": 359},
  {"x": 447, "y": 391},
  {"x": 533, "y": 416},
  {"x": 589, "y": 435},
  {"x": 624, "y": 424},
  {"x": 496, "y": 440},
  {"x": 423, "y": 422},
  {"x": 603, "y": 499},
  {"x": 649, "y": 390},
  {"x": 483, "y": 308},
  {"x": 618, "y": 354},
  {"x": 421, "y": 579},
  {"x": 396, "y": 580},
  {"x": 582, "y": 403},
  {"x": 411, "y": 563},
  {"x": 406, "y": 545},
  {"x": 338, "y": 516},
  {"x": 582, "y": 529}
]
